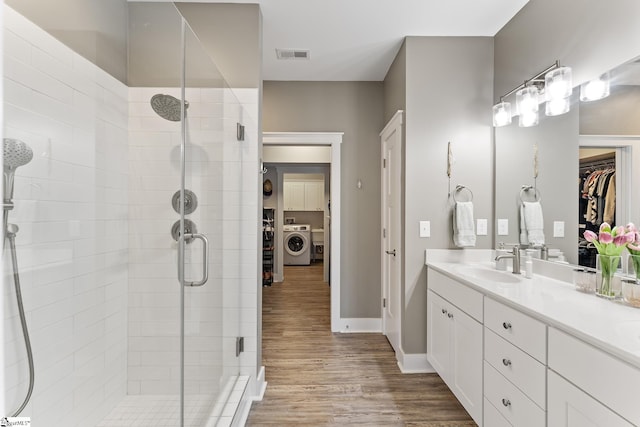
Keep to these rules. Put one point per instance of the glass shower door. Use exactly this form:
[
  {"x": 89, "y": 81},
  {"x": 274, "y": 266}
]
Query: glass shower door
[{"x": 210, "y": 298}]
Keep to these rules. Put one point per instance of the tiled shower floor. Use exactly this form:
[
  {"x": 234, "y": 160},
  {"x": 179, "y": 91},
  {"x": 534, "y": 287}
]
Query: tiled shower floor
[
  {"x": 158, "y": 410},
  {"x": 163, "y": 410}
]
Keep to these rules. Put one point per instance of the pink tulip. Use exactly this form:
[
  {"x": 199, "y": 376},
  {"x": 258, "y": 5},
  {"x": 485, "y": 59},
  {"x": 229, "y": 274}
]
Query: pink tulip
[
  {"x": 633, "y": 247},
  {"x": 620, "y": 240},
  {"x": 590, "y": 236},
  {"x": 618, "y": 231},
  {"x": 605, "y": 227},
  {"x": 605, "y": 237},
  {"x": 631, "y": 228}
]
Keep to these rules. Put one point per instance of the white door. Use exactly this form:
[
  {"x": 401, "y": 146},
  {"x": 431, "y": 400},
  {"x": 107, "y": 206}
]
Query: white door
[{"x": 391, "y": 138}]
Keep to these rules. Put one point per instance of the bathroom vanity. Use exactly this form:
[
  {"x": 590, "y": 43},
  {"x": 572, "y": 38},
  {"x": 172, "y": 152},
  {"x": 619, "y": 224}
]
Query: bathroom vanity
[{"x": 531, "y": 352}]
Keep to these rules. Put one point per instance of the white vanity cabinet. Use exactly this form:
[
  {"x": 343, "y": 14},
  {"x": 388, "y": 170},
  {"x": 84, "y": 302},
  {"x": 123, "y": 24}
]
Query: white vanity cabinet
[
  {"x": 588, "y": 387},
  {"x": 454, "y": 340}
]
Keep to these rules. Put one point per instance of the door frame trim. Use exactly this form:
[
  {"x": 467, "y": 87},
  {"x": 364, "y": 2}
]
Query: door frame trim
[{"x": 334, "y": 140}]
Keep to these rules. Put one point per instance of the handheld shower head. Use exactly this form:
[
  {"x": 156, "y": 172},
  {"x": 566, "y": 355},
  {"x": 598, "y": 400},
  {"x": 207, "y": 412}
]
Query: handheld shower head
[
  {"x": 15, "y": 154},
  {"x": 167, "y": 106}
]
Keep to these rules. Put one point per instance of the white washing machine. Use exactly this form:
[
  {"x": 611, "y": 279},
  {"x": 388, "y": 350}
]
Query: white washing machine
[{"x": 297, "y": 244}]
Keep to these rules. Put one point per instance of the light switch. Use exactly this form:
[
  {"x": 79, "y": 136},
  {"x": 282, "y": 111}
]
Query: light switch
[
  {"x": 558, "y": 228},
  {"x": 425, "y": 228},
  {"x": 503, "y": 227},
  {"x": 481, "y": 227}
]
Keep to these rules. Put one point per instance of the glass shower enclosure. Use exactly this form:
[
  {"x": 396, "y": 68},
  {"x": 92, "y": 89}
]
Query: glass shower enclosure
[{"x": 128, "y": 250}]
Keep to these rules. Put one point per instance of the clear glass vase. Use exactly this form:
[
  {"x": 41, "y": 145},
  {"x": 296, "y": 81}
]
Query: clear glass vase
[
  {"x": 633, "y": 266},
  {"x": 608, "y": 284}
]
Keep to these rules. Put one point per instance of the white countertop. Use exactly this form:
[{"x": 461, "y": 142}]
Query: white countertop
[{"x": 610, "y": 326}]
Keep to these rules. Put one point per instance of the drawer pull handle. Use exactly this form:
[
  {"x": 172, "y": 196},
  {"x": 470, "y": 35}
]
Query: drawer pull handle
[
  {"x": 506, "y": 325},
  {"x": 450, "y": 315},
  {"x": 506, "y": 362},
  {"x": 444, "y": 311},
  {"x": 506, "y": 402}
]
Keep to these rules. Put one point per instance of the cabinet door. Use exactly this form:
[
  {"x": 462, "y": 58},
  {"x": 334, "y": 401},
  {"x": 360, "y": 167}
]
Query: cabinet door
[
  {"x": 438, "y": 335},
  {"x": 466, "y": 362},
  {"x": 568, "y": 406},
  {"x": 313, "y": 195},
  {"x": 293, "y": 196}
]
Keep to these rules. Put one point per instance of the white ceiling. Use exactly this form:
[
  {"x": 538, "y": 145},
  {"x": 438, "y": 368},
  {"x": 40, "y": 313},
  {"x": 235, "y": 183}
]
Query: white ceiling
[{"x": 356, "y": 40}]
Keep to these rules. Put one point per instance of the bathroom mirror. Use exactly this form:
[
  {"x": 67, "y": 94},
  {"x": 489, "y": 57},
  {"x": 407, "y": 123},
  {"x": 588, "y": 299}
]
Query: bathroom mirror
[{"x": 612, "y": 122}]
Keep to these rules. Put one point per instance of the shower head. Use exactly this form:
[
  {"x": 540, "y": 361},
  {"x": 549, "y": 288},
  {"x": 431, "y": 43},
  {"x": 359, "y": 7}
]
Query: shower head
[
  {"x": 167, "y": 106},
  {"x": 15, "y": 153}
]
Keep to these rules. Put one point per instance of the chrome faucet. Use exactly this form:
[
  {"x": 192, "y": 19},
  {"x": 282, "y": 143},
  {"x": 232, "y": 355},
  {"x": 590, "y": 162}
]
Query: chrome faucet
[
  {"x": 544, "y": 252},
  {"x": 515, "y": 255}
]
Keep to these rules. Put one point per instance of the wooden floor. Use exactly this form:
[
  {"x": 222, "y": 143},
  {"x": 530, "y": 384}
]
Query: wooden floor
[{"x": 316, "y": 378}]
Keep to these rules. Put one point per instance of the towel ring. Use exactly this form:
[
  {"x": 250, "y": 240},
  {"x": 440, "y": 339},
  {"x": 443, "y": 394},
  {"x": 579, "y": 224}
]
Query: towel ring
[
  {"x": 460, "y": 188},
  {"x": 525, "y": 189}
]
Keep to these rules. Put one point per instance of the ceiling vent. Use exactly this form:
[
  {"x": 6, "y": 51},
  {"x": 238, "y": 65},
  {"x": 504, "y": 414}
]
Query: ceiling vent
[{"x": 292, "y": 54}]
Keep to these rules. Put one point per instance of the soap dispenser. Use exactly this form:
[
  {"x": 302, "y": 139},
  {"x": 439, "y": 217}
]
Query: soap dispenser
[{"x": 528, "y": 267}]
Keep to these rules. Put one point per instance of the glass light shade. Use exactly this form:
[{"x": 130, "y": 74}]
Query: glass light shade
[
  {"x": 557, "y": 83},
  {"x": 527, "y": 100},
  {"x": 555, "y": 107},
  {"x": 528, "y": 119},
  {"x": 502, "y": 114},
  {"x": 595, "y": 89}
]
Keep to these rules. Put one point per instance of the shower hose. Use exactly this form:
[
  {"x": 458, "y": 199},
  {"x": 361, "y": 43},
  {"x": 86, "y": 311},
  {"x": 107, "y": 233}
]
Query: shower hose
[{"x": 11, "y": 236}]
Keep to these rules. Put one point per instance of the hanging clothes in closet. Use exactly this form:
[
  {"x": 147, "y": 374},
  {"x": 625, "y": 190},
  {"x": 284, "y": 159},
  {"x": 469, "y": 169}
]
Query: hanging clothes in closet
[{"x": 598, "y": 196}]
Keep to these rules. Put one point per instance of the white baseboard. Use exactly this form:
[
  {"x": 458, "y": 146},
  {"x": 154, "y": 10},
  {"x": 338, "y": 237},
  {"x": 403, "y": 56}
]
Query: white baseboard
[
  {"x": 254, "y": 393},
  {"x": 414, "y": 363},
  {"x": 278, "y": 278},
  {"x": 355, "y": 325}
]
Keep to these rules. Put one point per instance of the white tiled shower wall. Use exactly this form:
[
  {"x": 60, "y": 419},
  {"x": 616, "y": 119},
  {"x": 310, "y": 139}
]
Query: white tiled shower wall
[
  {"x": 221, "y": 172},
  {"x": 72, "y": 208},
  {"x": 86, "y": 234}
]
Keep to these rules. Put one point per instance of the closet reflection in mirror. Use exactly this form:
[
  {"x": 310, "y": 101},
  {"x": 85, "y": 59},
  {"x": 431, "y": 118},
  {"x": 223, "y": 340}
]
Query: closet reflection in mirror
[{"x": 612, "y": 123}]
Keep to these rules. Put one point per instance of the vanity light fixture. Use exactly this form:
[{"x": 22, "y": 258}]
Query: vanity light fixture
[
  {"x": 502, "y": 114},
  {"x": 554, "y": 82},
  {"x": 527, "y": 106},
  {"x": 595, "y": 89}
]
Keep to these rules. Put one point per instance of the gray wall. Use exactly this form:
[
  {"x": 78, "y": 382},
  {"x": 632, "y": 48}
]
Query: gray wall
[
  {"x": 448, "y": 98},
  {"x": 231, "y": 34},
  {"x": 357, "y": 109},
  {"x": 618, "y": 114},
  {"x": 591, "y": 36},
  {"x": 395, "y": 85},
  {"x": 96, "y": 30}
]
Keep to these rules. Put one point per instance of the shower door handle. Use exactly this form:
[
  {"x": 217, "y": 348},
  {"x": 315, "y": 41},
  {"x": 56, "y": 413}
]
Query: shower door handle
[{"x": 205, "y": 259}]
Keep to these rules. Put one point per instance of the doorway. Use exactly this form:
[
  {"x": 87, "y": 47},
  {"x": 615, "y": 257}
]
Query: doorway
[{"x": 308, "y": 144}]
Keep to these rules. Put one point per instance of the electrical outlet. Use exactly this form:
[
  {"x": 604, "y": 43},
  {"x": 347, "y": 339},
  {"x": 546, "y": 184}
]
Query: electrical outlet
[
  {"x": 558, "y": 228},
  {"x": 503, "y": 227},
  {"x": 425, "y": 228},
  {"x": 481, "y": 227}
]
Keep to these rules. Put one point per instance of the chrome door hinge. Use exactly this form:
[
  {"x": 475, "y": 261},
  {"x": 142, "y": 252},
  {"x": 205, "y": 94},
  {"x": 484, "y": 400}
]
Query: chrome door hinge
[
  {"x": 384, "y": 163},
  {"x": 384, "y": 303},
  {"x": 239, "y": 345},
  {"x": 384, "y": 233}
]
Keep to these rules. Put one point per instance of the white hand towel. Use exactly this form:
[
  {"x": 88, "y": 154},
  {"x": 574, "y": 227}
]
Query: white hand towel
[
  {"x": 464, "y": 234},
  {"x": 523, "y": 228},
  {"x": 534, "y": 222}
]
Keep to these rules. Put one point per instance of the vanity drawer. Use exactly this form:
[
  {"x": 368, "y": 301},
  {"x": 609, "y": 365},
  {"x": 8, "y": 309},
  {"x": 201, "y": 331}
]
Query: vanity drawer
[
  {"x": 493, "y": 418},
  {"x": 608, "y": 379},
  {"x": 522, "y": 370},
  {"x": 462, "y": 296},
  {"x": 512, "y": 404},
  {"x": 523, "y": 331}
]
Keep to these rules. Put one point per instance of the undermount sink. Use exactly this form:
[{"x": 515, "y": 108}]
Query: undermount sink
[{"x": 488, "y": 274}]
